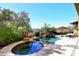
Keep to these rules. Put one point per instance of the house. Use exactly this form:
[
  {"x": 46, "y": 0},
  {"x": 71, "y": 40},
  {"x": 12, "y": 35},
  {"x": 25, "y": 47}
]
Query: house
[
  {"x": 77, "y": 9},
  {"x": 75, "y": 25},
  {"x": 62, "y": 29}
]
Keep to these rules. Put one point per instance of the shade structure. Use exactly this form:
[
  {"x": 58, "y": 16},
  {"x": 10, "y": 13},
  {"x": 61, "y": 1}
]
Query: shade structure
[
  {"x": 74, "y": 23},
  {"x": 77, "y": 9}
]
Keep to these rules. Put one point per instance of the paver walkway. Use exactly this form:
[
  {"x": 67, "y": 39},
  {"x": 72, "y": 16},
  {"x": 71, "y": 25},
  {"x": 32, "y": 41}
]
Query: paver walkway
[
  {"x": 7, "y": 50},
  {"x": 48, "y": 50}
]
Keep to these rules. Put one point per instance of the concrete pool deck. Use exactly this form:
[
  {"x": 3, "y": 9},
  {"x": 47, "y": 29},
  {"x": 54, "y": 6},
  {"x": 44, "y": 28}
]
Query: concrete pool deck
[{"x": 63, "y": 47}]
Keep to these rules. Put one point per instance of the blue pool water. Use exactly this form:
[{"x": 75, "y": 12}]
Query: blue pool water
[
  {"x": 32, "y": 47},
  {"x": 28, "y": 48},
  {"x": 36, "y": 46},
  {"x": 52, "y": 40}
]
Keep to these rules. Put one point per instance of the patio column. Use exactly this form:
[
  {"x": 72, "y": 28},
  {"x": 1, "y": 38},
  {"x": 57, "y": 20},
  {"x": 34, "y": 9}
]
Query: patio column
[{"x": 77, "y": 9}]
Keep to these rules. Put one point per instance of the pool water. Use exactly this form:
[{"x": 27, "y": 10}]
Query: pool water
[
  {"x": 32, "y": 47},
  {"x": 52, "y": 40},
  {"x": 27, "y": 48}
]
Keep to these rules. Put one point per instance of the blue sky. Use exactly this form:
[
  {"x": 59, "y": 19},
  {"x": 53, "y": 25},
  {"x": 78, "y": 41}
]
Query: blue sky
[{"x": 56, "y": 14}]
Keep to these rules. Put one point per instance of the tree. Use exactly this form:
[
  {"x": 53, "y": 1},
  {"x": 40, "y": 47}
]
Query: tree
[
  {"x": 48, "y": 29},
  {"x": 23, "y": 20},
  {"x": 9, "y": 26},
  {"x": 6, "y": 15}
]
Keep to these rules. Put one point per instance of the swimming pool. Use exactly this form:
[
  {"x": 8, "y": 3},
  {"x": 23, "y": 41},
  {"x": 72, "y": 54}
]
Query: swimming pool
[
  {"x": 32, "y": 47},
  {"x": 27, "y": 48},
  {"x": 51, "y": 40}
]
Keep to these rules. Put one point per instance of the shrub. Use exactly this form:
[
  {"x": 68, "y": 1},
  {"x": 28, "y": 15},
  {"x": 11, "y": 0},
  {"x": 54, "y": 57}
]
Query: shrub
[
  {"x": 37, "y": 34},
  {"x": 8, "y": 35}
]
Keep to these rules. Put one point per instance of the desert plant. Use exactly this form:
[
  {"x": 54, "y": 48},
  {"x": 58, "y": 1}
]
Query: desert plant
[{"x": 8, "y": 34}]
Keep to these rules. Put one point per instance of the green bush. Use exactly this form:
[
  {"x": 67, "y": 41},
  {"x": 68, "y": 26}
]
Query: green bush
[
  {"x": 8, "y": 35},
  {"x": 48, "y": 29},
  {"x": 10, "y": 22},
  {"x": 37, "y": 34}
]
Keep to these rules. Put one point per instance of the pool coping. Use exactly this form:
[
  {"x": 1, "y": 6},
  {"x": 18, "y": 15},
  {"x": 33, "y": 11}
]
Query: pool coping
[{"x": 6, "y": 51}]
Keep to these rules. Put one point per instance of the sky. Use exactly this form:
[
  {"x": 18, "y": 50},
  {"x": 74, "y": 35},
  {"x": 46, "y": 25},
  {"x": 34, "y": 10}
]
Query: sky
[{"x": 56, "y": 14}]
